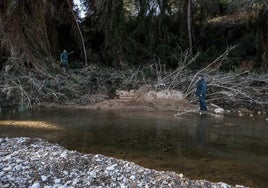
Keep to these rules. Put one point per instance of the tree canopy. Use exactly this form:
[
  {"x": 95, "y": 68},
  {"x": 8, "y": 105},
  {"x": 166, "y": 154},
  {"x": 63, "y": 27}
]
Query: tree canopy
[
  {"x": 136, "y": 31},
  {"x": 131, "y": 32}
]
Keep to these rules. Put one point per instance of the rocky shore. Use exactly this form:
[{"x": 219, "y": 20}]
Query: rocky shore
[{"x": 35, "y": 163}]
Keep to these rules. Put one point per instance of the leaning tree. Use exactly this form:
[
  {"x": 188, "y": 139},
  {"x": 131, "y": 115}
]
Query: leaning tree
[{"x": 32, "y": 33}]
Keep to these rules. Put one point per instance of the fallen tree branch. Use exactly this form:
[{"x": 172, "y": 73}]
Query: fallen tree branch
[{"x": 215, "y": 61}]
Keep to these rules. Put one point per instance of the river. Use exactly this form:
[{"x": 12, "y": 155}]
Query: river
[{"x": 229, "y": 149}]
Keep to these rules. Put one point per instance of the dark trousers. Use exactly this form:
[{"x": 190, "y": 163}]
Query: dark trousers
[
  {"x": 203, "y": 105},
  {"x": 65, "y": 64}
]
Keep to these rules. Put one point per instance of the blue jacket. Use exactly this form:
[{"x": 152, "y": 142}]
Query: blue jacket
[
  {"x": 64, "y": 56},
  {"x": 201, "y": 88}
]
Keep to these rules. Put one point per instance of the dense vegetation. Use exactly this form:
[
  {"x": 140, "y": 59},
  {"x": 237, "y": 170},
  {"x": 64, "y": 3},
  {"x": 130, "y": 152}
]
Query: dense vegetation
[
  {"x": 137, "y": 32},
  {"x": 146, "y": 39}
]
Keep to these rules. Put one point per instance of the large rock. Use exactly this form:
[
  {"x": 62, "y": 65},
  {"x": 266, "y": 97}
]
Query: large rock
[
  {"x": 163, "y": 94},
  {"x": 219, "y": 110}
]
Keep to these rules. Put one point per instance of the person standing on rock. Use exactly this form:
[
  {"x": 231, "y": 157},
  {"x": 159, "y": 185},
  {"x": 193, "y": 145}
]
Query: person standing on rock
[
  {"x": 64, "y": 58},
  {"x": 201, "y": 92}
]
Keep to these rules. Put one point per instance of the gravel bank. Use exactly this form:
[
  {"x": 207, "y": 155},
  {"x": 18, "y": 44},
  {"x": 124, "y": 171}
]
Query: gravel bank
[{"x": 35, "y": 163}]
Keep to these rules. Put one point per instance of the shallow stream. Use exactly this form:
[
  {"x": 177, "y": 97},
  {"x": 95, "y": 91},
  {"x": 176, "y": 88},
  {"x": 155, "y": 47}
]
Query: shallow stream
[{"x": 229, "y": 149}]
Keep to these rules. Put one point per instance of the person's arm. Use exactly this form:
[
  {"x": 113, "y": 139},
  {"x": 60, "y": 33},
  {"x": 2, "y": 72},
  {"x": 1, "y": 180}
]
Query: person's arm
[{"x": 70, "y": 52}]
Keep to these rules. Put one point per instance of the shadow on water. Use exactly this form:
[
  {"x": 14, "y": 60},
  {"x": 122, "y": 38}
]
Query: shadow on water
[{"x": 228, "y": 149}]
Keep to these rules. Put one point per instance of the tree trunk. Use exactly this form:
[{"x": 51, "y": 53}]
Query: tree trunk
[
  {"x": 80, "y": 32},
  {"x": 189, "y": 25},
  {"x": 31, "y": 33},
  {"x": 265, "y": 41}
]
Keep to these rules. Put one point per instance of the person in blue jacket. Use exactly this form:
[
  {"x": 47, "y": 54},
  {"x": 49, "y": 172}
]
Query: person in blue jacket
[
  {"x": 201, "y": 92},
  {"x": 64, "y": 58}
]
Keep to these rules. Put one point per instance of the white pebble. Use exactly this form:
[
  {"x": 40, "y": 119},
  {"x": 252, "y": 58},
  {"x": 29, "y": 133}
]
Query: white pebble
[
  {"x": 57, "y": 181},
  {"x": 93, "y": 174},
  {"x": 111, "y": 168},
  {"x": 62, "y": 186},
  {"x": 18, "y": 168},
  {"x": 132, "y": 177},
  {"x": 122, "y": 185},
  {"x": 8, "y": 157},
  {"x": 35, "y": 185},
  {"x": 19, "y": 160},
  {"x": 239, "y": 186},
  {"x": 7, "y": 169},
  {"x": 224, "y": 185},
  {"x": 66, "y": 173},
  {"x": 64, "y": 155},
  {"x": 44, "y": 178}
]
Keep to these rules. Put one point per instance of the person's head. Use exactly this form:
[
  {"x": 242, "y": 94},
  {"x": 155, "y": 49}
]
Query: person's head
[
  {"x": 64, "y": 51},
  {"x": 200, "y": 77}
]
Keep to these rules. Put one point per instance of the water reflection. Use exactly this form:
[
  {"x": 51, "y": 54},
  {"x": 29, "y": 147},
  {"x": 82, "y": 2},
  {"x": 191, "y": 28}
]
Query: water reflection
[
  {"x": 29, "y": 124},
  {"x": 202, "y": 132},
  {"x": 233, "y": 150}
]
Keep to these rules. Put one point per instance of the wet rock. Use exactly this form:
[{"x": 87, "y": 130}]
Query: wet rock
[{"x": 218, "y": 110}]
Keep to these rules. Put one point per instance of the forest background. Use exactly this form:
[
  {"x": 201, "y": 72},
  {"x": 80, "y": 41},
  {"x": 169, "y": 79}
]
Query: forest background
[{"x": 126, "y": 44}]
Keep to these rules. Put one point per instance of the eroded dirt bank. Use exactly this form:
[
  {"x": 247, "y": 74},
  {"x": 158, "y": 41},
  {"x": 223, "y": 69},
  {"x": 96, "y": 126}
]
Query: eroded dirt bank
[{"x": 148, "y": 99}]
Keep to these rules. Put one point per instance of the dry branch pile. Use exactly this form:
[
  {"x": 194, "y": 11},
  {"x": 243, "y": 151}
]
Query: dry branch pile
[
  {"x": 80, "y": 86},
  {"x": 237, "y": 90}
]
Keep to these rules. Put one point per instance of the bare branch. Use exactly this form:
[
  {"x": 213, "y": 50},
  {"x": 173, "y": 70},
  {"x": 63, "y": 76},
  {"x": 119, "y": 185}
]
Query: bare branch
[{"x": 214, "y": 62}]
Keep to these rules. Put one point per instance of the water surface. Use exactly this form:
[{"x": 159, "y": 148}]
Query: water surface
[{"x": 230, "y": 149}]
